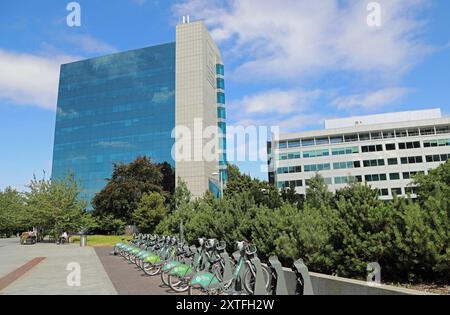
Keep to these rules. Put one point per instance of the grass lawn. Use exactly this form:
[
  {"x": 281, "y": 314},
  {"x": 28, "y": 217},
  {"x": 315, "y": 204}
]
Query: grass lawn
[{"x": 101, "y": 240}]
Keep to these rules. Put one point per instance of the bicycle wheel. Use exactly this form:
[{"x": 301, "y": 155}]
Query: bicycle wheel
[
  {"x": 177, "y": 284},
  {"x": 150, "y": 269},
  {"x": 249, "y": 280},
  {"x": 165, "y": 278}
]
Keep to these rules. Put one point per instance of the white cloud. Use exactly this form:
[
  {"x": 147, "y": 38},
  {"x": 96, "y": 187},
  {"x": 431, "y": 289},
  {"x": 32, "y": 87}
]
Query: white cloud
[
  {"x": 288, "y": 109},
  {"x": 277, "y": 101},
  {"x": 285, "y": 39},
  {"x": 27, "y": 79},
  {"x": 372, "y": 100}
]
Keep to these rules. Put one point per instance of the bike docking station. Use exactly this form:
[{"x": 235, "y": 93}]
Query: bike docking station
[
  {"x": 278, "y": 278},
  {"x": 304, "y": 285},
  {"x": 207, "y": 269}
]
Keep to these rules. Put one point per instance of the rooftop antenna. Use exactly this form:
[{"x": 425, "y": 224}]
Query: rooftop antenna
[
  {"x": 184, "y": 19},
  {"x": 188, "y": 19}
]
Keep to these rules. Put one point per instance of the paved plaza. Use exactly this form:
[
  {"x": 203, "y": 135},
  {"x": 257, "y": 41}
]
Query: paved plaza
[
  {"x": 42, "y": 269},
  {"x": 50, "y": 275}
]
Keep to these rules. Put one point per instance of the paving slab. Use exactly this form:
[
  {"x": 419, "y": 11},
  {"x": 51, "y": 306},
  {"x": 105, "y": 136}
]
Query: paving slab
[
  {"x": 128, "y": 279},
  {"x": 50, "y": 276}
]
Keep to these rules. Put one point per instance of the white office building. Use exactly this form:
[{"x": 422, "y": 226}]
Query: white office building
[{"x": 385, "y": 151}]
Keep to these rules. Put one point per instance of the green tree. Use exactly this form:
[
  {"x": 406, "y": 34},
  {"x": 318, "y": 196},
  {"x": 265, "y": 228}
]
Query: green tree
[
  {"x": 181, "y": 196},
  {"x": 124, "y": 190},
  {"x": 150, "y": 211},
  {"x": 13, "y": 215},
  {"x": 317, "y": 194},
  {"x": 362, "y": 231},
  {"x": 54, "y": 206},
  {"x": 260, "y": 191}
]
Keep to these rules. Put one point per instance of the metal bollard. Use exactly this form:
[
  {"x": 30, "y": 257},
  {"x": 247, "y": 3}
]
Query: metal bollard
[{"x": 83, "y": 241}]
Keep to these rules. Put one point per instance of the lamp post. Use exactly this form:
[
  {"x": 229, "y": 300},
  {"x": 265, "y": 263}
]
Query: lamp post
[{"x": 220, "y": 183}]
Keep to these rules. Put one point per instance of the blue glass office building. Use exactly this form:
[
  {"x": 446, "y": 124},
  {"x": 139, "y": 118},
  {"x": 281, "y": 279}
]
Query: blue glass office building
[{"x": 114, "y": 109}]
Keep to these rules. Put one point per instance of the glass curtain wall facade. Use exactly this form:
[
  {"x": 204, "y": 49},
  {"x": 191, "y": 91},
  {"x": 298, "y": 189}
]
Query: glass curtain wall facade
[{"x": 114, "y": 109}]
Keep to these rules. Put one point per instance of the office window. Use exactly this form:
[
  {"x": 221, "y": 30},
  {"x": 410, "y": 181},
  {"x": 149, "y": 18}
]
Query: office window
[
  {"x": 409, "y": 145},
  {"x": 442, "y": 129},
  {"x": 401, "y": 133},
  {"x": 393, "y": 161},
  {"x": 317, "y": 167},
  {"x": 396, "y": 191},
  {"x": 336, "y": 139},
  {"x": 411, "y": 160},
  {"x": 436, "y": 143},
  {"x": 322, "y": 141},
  {"x": 220, "y": 98},
  {"x": 345, "y": 151},
  {"x": 316, "y": 153},
  {"x": 388, "y": 134},
  {"x": 390, "y": 147},
  {"x": 413, "y": 132},
  {"x": 282, "y": 145},
  {"x": 437, "y": 158},
  {"x": 345, "y": 165},
  {"x": 351, "y": 138},
  {"x": 376, "y": 135},
  {"x": 220, "y": 83},
  {"x": 371, "y": 148},
  {"x": 373, "y": 163},
  {"x": 294, "y": 143},
  {"x": 308, "y": 142},
  {"x": 364, "y": 136},
  {"x": 375, "y": 177},
  {"x": 427, "y": 131},
  {"x": 394, "y": 176},
  {"x": 383, "y": 192},
  {"x": 295, "y": 169},
  {"x": 220, "y": 69},
  {"x": 221, "y": 113}
]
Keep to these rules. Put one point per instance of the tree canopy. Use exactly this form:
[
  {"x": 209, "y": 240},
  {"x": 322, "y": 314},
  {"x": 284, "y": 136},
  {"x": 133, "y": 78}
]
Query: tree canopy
[{"x": 128, "y": 183}]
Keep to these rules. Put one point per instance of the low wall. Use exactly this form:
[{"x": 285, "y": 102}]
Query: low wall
[{"x": 330, "y": 285}]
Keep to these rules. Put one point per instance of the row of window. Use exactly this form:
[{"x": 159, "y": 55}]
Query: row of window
[
  {"x": 366, "y": 163},
  {"x": 289, "y": 170},
  {"x": 367, "y": 136},
  {"x": 318, "y": 153},
  {"x": 436, "y": 143},
  {"x": 397, "y": 191},
  {"x": 437, "y": 158},
  {"x": 344, "y": 180},
  {"x": 364, "y": 149}
]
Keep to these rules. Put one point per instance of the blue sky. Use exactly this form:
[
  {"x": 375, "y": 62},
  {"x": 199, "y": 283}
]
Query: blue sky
[{"x": 290, "y": 63}]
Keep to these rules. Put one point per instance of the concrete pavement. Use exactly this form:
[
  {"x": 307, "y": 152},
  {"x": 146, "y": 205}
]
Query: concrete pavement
[
  {"x": 128, "y": 279},
  {"x": 50, "y": 276}
]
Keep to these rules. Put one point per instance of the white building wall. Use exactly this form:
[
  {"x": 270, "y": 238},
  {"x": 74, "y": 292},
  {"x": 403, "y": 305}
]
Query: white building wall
[{"x": 196, "y": 101}]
